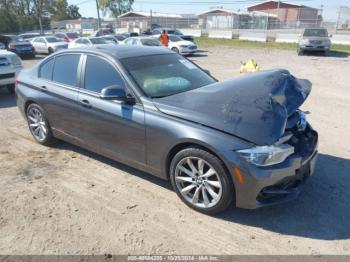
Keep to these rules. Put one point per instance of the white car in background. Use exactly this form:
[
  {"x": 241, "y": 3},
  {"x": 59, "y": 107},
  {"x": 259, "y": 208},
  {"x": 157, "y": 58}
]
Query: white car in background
[
  {"x": 10, "y": 65},
  {"x": 89, "y": 42},
  {"x": 142, "y": 41},
  {"x": 48, "y": 44},
  {"x": 180, "y": 46}
]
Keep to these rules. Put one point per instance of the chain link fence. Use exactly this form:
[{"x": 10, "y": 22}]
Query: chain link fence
[{"x": 343, "y": 23}]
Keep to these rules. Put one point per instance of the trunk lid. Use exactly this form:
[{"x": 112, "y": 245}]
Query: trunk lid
[{"x": 255, "y": 107}]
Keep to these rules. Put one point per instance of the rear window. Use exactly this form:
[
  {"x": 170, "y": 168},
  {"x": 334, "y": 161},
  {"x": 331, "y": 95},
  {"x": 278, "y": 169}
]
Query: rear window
[
  {"x": 97, "y": 41},
  {"x": 73, "y": 35},
  {"x": 65, "y": 69},
  {"x": 52, "y": 40},
  {"x": 150, "y": 42}
]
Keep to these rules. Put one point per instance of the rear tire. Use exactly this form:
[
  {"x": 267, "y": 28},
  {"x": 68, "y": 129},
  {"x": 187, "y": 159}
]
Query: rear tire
[
  {"x": 39, "y": 125},
  {"x": 205, "y": 184},
  {"x": 50, "y": 50}
]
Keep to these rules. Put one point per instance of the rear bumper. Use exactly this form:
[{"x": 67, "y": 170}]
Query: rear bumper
[
  {"x": 187, "y": 51},
  {"x": 265, "y": 186},
  {"x": 24, "y": 53},
  {"x": 9, "y": 77}
]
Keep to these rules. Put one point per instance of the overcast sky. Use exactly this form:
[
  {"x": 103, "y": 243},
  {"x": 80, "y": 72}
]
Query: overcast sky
[{"x": 88, "y": 7}]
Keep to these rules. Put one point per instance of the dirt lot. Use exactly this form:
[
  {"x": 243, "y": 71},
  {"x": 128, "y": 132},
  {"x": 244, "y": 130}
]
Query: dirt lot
[{"x": 65, "y": 200}]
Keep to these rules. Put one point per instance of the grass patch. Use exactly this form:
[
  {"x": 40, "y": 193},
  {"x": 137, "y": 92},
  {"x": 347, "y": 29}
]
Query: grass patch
[{"x": 205, "y": 42}]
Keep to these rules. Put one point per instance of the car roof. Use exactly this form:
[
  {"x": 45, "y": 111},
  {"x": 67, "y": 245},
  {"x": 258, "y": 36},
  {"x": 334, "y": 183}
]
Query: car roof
[{"x": 122, "y": 51}]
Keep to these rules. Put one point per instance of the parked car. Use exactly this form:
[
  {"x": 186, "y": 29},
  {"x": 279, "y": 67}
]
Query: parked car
[
  {"x": 10, "y": 65},
  {"x": 142, "y": 41},
  {"x": 157, "y": 32},
  {"x": 90, "y": 42},
  {"x": 103, "y": 31},
  {"x": 180, "y": 46},
  {"x": 2, "y": 45},
  {"x": 28, "y": 36},
  {"x": 241, "y": 141},
  {"x": 67, "y": 37},
  {"x": 314, "y": 39},
  {"x": 17, "y": 45},
  {"x": 48, "y": 44}
]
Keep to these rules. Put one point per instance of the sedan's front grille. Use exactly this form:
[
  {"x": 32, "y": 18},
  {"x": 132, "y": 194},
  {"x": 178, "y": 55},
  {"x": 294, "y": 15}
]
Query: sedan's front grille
[{"x": 5, "y": 76}]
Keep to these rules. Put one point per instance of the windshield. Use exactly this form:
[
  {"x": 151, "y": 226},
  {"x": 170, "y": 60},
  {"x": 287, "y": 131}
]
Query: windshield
[
  {"x": 174, "y": 32},
  {"x": 52, "y": 40},
  {"x": 73, "y": 35},
  {"x": 98, "y": 41},
  {"x": 150, "y": 42},
  {"x": 174, "y": 38},
  {"x": 120, "y": 37},
  {"x": 165, "y": 75},
  {"x": 316, "y": 32}
]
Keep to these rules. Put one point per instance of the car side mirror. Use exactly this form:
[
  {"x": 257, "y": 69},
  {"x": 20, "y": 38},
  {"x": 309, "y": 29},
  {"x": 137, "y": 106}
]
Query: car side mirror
[{"x": 116, "y": 92}]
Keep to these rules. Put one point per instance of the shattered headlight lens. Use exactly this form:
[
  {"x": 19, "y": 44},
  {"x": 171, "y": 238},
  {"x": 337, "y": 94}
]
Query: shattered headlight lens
[{"x": 267, "y": 155}]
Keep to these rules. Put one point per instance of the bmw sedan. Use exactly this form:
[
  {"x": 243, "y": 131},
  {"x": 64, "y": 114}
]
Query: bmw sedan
[{"x": 243, "y": 141}]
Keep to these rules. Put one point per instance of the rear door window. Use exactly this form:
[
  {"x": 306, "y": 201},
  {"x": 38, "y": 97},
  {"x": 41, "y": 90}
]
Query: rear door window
[
  {"x": 100, "y": 74},
  {"x": 46, "y": 70},
  {"x": 65, "y": 69}
]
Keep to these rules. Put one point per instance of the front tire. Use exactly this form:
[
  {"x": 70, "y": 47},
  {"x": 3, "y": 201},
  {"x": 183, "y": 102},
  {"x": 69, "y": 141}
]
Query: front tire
[
  {"x": 201, "y": 181},
  {"x": 38, "y": 125},
  {"x": 300, "y": 52}
]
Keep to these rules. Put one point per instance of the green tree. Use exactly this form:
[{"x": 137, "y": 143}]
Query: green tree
[
  {"x": 73, "y": 12},
  {"x": 41, "y": 9},
  {"x": 116, "y": 7},
  {"x": 59, "y": 10}
]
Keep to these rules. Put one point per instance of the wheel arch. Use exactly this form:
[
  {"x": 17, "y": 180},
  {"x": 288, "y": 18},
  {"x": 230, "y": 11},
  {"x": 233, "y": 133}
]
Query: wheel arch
[{"x": 180, "y": 146}]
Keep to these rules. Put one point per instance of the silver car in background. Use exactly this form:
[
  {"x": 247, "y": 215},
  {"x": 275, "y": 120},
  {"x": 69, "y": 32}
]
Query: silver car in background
[
  {"x": 48, "y": 44},
  {"x": 314, "y": 39},
  {"x": 89, "y": 42},
  {"x": 10, "y": 66},
  {"x": 142, "y": 41}
]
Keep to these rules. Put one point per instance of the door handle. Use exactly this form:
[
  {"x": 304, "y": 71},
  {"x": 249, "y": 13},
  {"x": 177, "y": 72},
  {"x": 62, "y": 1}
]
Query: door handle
[
  {"x": 43, "y": 88},
  {"x": 85, "y": 103}
]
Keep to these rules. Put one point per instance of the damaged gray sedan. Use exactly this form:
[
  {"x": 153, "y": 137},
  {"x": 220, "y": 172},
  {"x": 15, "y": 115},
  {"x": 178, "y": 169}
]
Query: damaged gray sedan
[{"x": 241, "y": 142}]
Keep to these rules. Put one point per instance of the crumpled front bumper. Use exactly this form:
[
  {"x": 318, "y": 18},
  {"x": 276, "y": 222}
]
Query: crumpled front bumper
[{"x": 265, "y": 186}]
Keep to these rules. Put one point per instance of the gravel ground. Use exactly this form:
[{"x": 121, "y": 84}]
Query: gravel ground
[{"x": 65, "y": 200}]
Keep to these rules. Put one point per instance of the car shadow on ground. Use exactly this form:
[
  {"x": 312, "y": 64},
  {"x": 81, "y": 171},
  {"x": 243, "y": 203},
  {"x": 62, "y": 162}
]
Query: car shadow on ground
[
  {"x": 322, "y": 211},
  {"x": 337, "y": 54},
  {"x": 114, "y": 164},
  {"x": 6, "y": 99}
]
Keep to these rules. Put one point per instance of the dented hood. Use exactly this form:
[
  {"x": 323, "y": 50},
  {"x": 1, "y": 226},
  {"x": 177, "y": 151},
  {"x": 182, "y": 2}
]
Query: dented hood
[{"x": 253, "y": 107}]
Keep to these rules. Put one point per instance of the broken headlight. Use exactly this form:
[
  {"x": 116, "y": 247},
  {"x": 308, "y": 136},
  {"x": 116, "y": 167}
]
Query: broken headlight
[{"x": 266, "y": 155}]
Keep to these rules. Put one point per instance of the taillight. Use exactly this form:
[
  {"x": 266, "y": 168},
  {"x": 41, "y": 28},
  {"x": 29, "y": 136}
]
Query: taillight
[
  {"x": 66, "y": 39},
  {"x": 16, "y": 80}
]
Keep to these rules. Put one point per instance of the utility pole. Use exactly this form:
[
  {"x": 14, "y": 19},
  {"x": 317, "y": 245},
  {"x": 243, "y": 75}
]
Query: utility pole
[
  {"x": 278, "y": 12},
  {"x": 98, "y": 15},
  {"x": 150, "y": 15}
]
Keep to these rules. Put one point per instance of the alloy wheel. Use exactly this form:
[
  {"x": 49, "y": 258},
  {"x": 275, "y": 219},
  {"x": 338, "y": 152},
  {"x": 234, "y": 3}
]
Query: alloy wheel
[
  {"x": 37, "y": 124},
  {"x": 198, "y": 182}
]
